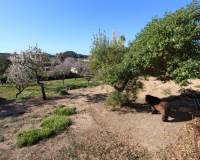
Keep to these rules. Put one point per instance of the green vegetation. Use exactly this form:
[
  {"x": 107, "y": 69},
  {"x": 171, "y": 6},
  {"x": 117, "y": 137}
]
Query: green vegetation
[
  {"x": 56, "y": 122},
  {"x": 116, "y": 99},
  {"x": 167, "y": 47},
  {"x": 106, "y": 58},
  {"x": 4, "y": 61},
  {"x": 52, "y": 88},
  {"x": 32, "y": 136},
  {"x": 72, "y": 54},
  {"x": 49, "y": 127},
  {"x": 65, "y": 111}
]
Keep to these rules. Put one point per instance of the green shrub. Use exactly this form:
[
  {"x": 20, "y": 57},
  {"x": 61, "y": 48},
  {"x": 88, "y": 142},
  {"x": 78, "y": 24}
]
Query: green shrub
[
  {"x": 64, "y": 111},
  {"x": 50, "y": 126},
  {"x": 46, "y": 132},
  {"x": 33, "y": 136},
  {"x": 28, "y": 137},
  {"x": 116, "y": 99},
  {"x": 56, "y": 122},
  {"x": 132, "y": 88}
]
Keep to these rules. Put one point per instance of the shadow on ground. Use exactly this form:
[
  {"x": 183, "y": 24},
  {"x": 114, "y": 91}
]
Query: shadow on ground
[
  {"x": 187, "y": 100},
  {"x": 13, "y": 108},
  {"x": 94, "y": 98},
  {"x": 10, "y": 108}
]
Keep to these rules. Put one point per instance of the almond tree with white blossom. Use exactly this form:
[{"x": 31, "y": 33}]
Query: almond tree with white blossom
[
  {"x": 19, "y": 76},
  {"x": 34, "y": 60}
]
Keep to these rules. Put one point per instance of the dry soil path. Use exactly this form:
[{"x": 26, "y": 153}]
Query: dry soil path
[{"x": 96, "y": 132}]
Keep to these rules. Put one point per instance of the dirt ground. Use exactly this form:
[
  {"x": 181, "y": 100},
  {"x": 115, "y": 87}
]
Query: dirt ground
[{"x": 96, "y": 133}]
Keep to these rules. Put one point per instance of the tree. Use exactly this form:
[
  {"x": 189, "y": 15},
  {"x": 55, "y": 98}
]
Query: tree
[
  {"x": 169, "y": 46},
  {"x": 34, "y": 60},
  {"x": 64, "y": 68},
  {"x": 18, "y": 75},
  {"x": 4, "y": 64},
  {"x": 106, "y": 58},
  {"x": 83, "y": 70}
]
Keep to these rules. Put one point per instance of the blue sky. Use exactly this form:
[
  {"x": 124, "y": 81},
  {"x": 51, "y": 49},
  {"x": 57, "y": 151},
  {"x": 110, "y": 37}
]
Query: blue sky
[{"x": 60, "y": 25}]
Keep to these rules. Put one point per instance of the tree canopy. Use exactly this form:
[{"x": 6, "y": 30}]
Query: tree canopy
[
  {"x": 31, "y": 61},
  {"x": 4, "y": 63},
  {"x": 167, "y": 46},
  {"x": 106, "y": 57}
]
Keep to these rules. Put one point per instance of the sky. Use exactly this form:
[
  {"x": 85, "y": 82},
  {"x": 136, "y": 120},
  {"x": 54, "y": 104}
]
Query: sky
[{"x": 61, "y": 25}]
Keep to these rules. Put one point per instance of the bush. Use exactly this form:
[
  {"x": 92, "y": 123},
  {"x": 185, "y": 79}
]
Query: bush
[
  {"x": 116, "y": 99},
  {"x": 64, "y": 111},
  {"x": 56, "y": 122},
  {"x": 132, "y": 88}
]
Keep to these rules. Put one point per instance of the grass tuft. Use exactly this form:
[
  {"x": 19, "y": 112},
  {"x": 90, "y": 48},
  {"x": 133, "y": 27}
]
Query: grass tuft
[
  {"x": 116, "y": 99},
  {"x": 33, "y": 136},
  {"x": 56, "y": 122},
  {"x": 28, "y": 137},
  {"x": 50, "y": 126},
  {"x": 64, "y": 111}
]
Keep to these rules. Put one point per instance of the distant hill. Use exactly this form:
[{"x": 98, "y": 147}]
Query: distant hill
[
  {"x": 63, "y": 54},
  {"x": 5, "y": 55},
  {"x": 72, "y": 54}
]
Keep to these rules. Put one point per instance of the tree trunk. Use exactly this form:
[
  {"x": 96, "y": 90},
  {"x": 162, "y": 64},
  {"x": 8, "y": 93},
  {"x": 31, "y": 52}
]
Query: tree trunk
[
  {"x": 121, "y": 86},
  {"x": 41, "y": 86},
  {"x": 43, "y": 91},
  {"x": 20, "y": 90},
  {"x": 63, "y": 79}
]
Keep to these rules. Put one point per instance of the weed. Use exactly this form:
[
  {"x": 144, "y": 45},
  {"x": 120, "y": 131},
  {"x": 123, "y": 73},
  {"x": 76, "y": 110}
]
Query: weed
[
  {"x": 64, "y": 111},
  {"x": 116, "y": 99},
  {"x": 56, "y": 122},
  {"x": 50, "y": 126}
]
